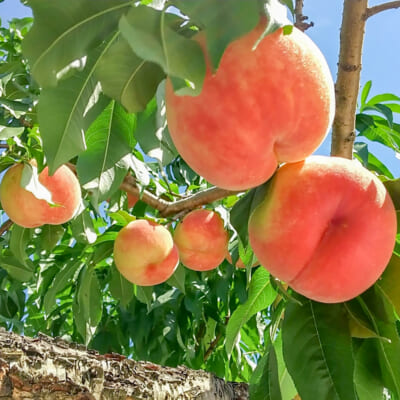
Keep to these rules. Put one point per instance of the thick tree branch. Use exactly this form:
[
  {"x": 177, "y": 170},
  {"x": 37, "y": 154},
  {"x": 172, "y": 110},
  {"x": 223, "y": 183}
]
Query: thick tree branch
[
  {"x": 300, "y": 18},
  {"x": 381, "y": 7},
  {"x": 52, "y": 369},
  {"x": 348, "y": 77}
]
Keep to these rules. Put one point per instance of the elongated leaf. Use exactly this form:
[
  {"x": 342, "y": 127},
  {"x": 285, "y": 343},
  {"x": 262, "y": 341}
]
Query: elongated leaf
[
  {"x": 16, "y": 269},
  {"x": 389, "y": 282},
  {"x": 120, "y": 288},
  {"x": 242, "y": 210},
  {"x": 30, "y": 181},
  {"x": 50, "y": 236},
  {"x": 178, "y": 279},
  {"x": 380, "y": 98},
  {"x": 19, "y": 241},
  {"x": 127, "y": 78},
  {"x": 7, "y": 132},
  {"x": 152, "y": 131},
  {"x": 147, "y": 32},
  {"x": 239, "y": 16},
  {"x": 83, "y": 229},
  {"x": 64, "y": 111},
  {"x": 101, "y": 168},
  {"x": 64, "y": 31},
  {"x": 368, "y": 381},
  {"x": 87, "y": 305},
  {"x": 317, "y": 343},
  {"x": 261, "y": 295},
  {"x": 61, "y": 280},
  {"x": 365, "y": 92},
  {"x": 264, "y": 383},
  {"x": 393, "y": 187}
]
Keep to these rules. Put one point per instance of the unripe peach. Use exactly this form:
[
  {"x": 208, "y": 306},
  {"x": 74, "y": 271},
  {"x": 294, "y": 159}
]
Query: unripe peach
[
  {"x": 144, "y": 253},
  {"x": 263, "y": 106},
  {"x": 28, "y": 211},
  {"x": 326, "y": 226},
  {"x": 202, "y": 240}
]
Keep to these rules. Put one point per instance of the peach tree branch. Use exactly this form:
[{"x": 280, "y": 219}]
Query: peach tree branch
[
  {"x": 390, "y": 5},
  {"x": 300, "y": 18},
  {"x": 348, "y": 77}
]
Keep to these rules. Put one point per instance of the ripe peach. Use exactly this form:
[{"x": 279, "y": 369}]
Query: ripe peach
[
  {"x": 272, "y": 104},
  {"x": 132, "y": 200},
  {"x": 28, "y": 211},
  {"x": 202, "y": 240},
  {"x": 327, "y": 227},
  {"x": 144, "y": 253}
]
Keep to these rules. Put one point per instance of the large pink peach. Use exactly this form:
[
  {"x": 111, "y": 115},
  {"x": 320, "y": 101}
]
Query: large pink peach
[
  {"x": 263, "y": 106},
  {"x": 144, "y": 253},
  {"x": 28, "y": 211},
  {"x": 202, "y": 240},
  {"x": 327, "y": 227}
]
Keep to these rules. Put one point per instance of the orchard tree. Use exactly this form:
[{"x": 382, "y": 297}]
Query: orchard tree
[{"x": 167, "y": 232}]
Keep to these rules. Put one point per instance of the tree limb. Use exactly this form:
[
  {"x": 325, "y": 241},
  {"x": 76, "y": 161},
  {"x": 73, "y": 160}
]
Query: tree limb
[
  {"x": 5, "y": 227},
  {"x": 348, "y": 77},
  {"x": 381, "y": 7},
  {"x": 300, "y": 18},
  {"x": 53, "y": 369}
]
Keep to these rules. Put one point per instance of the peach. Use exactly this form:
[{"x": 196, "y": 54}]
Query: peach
[
  {"x": 28, "y": 211},
  {"x": 202, "y": 240},
  {"x": 144, "y": 253},
  {"x": 326, "y": 226},
  {"x": 132, "y": 199},
  {"x": 263, "y": 106}
]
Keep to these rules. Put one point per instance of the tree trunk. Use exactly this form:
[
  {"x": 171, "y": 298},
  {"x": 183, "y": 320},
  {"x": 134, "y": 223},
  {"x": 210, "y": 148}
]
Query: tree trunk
[{"x": 46, "y": 368}]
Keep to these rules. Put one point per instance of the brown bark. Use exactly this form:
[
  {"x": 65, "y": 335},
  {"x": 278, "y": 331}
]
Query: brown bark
[
  {"x": 46, "y": 368},
  {"x": 300, "y": 19},
  {"x": 390, "y": 5},
  {"x": 348, "y": 77}
]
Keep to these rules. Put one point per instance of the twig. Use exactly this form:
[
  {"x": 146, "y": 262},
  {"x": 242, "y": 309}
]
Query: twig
[
  {"x": 4, "y": 146},
  {"x": 381, "y": 7},
  {"x": 348, "y": 77},
  {"x": 6, "y": 226},
  {"x": 214, "y": 343},
  {"x": 300, "y": 18}
]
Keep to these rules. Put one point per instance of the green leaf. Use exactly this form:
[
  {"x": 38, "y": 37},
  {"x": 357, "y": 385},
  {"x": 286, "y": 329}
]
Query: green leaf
[
  {"x": 289, "y": 4},
  {"x": 368, "y": 380},
  {"x": 64, "y": 31},
  {"x": 261, "y": 295},
  {"x": 288, "y": 389},
  {"x": 126, "y": 77},
  {"x": 19, "y": 240},
  {"x": 393, "y": 187},
  {"x": 61, "y": 280},
  {"x": 364, "y": 93},
  {"x": 101, "y": 168},
  {"x": 152, "y": 131},
  {"x": 140, "y": 169},
  {"x": 7, "y": 132},
  {"x": 276, "y": 16},
  {"x": 145, "y": 295},
  {"x": 50, "y": 236},
  {"x": 120, "y": 288},
  {"x": 317, "y": 343},
  {"x": 243, "y": 208},
  {"x": 239, "y": 16},
  {"x": 83, "y": 229},
  {"x": 87, "y": 305},
  {"x": 63, "y": 112},
  {"x": 380, "y": 98},
  {"x": 16, "y": 269},
  {"x": 264, "y": 382},
  {"x": 178, "y": 278},
  {"x": 148, "y": 33},
  {"x": 389, "y": 282}
]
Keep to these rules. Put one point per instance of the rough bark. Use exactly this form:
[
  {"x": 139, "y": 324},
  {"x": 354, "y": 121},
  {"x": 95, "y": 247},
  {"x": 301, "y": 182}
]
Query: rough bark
[
  {"x": 51, "y": 369},
  {"x": 348, "y": 77}
]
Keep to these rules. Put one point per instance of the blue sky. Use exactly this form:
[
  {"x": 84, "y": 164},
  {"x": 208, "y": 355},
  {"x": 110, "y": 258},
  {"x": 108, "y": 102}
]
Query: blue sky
[{"x": 381, "y": 56}]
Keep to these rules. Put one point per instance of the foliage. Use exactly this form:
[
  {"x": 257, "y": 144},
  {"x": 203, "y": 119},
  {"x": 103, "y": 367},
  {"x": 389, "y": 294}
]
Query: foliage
[{"x": 101, "y": 107}]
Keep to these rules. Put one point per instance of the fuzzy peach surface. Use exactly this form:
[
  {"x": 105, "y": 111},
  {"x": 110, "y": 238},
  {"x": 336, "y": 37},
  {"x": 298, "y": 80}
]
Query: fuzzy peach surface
[
  {"x": 275, "y": 103},
  {"x": 28, "y": 211},
  {"x": 327, "y": 227},
  {"x": 144, "y": 253},
  {"x": 202, "y": 240}
]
